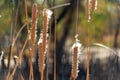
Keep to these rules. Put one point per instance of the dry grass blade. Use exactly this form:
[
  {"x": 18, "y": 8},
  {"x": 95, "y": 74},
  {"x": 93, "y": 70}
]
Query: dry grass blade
[
  {"x": 26, "y": 13},
  {"x": 14, "y": 41},
  {"x": 11, "y": 48},
  {"x": 106, "y": 47},
  {"x": 34, "y": 20},
  {"x": 20, "y": 57},
  {"x": 59, "y": 6}
]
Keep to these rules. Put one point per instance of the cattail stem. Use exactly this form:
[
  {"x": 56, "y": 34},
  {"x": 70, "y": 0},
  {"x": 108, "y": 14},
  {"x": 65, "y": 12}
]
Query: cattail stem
[
  {"x": 9, "y": 61},
  {"x": 55, "y": 50},
  {"x": 31, "y": 76},
  {"x": 87, "y": 41}
]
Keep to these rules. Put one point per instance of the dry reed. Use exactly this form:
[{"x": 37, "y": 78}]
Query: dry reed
[
  {"x": 55, "y": 77},
  {"x": 26, "y": 13},
  {"x": 87, "y": 41},
  {"x": 20, "y": 57}
]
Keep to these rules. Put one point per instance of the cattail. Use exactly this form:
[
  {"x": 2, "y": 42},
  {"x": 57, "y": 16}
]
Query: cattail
[
  {"x": 43, "y": 41},
  {"x": 41, "y": 56},
  {"x": 34, "y": 21},
  {"x": 32, "y": 38},
  {"x": 76, "y": 50},
  {"x": 47, "y": 15}
]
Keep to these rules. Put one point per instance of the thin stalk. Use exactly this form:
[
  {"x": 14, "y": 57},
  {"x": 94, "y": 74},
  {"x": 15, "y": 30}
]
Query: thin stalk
[
  {"x": 26, "y": 13},
  {"x": 55, "y": 49},
  {"x": 59, "y": 6},
  {"x": 88, "y": 53},
  {"x": 16, "y": 17},
  {"x": 48, "y": 54},
  {"x": 14, "y": 41},
  {"x": 20, "y": 57},
  {"x": 9, "y": 58},
  {"x": 11, "y": 38},
  {"x": 41, "y": 8},
  {"x": 87, "y": 42},
  {"x": 41, "y": 61},
  {"x": 31, "y": 76}
]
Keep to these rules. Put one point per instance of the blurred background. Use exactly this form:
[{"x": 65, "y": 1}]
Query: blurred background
[{"x": 104, "y": 28}]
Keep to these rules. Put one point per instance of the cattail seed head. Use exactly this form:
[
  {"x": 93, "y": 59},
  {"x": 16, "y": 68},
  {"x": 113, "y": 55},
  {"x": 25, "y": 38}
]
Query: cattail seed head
[
  {"x": 34, "y": 25},
  {"x": 76, "y": 50}
]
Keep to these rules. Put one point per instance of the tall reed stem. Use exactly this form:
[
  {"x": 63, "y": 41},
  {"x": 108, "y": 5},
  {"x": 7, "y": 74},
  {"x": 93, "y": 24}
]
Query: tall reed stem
[
  {"x": 55, "y": 50},
  {"x": 87, "y": 41},
  {"x": 20, "y": 57}
]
